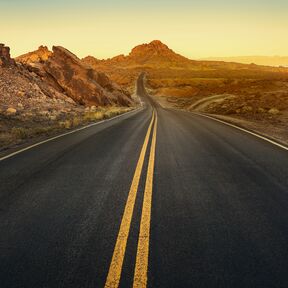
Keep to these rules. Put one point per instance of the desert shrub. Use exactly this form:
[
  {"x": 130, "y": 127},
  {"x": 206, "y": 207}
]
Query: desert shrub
[
  {"x": 39, "y": 130},
  {"x": 108, "y": 114},
  {"x": 20, "y": 132},
  {"x": 24, "y": 133},
  {"x": 67, "y": 124},
  {"x": 92, "y": 116},
  {"x": 76, "y": 121}
]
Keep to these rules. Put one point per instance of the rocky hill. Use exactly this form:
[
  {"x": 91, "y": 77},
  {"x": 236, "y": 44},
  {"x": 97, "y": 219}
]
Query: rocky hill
[
  {"x": 67, "y": 73},
  {"x": 81, "y": 82},
  {"x": 44, "y": 92},
  {"x": 24, "y": 90},
  {"x": 149, "y": 55}
]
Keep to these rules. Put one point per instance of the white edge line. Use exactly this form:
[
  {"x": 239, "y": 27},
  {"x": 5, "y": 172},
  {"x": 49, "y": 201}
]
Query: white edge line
[
  {"x": 67, "y": 133},
  {"x": 244, "y": 130}
]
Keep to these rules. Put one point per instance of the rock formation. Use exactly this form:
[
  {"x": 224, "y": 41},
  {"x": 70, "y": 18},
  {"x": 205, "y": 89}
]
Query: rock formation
[
  {"x": 153, "y": 54},
  {"x": 156, "y": 52},
  {"x": 5, "y": 58},
  {"x": 67, "y": 74},
  {"x": 90, "y": 60},
  {"x": 39, "y": 56},
  {"x": 81, "y": 82}
]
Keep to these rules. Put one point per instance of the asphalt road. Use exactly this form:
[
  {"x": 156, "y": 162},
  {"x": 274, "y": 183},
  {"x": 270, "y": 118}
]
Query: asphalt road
[{"x": 150, "y": 199}]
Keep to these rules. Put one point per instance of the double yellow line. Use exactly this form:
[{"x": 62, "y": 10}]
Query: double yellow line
[{"x": 141, "y": 267}]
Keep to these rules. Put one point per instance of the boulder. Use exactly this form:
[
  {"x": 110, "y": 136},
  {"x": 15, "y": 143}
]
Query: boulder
[
  {"x": 274, "y": 111},
  {"x": 11, "y": 111}
]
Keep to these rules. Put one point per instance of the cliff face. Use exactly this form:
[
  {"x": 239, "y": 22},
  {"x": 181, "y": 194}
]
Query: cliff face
[{"x": 82, "y": 83}]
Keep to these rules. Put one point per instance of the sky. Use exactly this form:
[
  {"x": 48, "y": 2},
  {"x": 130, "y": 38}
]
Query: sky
[{"x": 106, "y": 28}]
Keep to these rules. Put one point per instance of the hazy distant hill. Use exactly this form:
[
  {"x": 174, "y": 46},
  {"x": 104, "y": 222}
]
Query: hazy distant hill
[
  {"x": 171, "y": 70},
  {"x": 145, "y": 55},
  {"x": 259, "y": 60}
]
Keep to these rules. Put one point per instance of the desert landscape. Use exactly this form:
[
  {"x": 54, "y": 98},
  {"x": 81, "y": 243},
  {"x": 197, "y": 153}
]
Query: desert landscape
[
  {"x": 44, "y": 92},
  {"x": 143, "y": 144},
  {"x": 249, "y": 95}
]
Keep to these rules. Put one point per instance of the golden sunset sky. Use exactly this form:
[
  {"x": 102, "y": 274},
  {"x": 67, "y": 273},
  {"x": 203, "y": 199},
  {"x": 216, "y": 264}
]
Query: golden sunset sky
[{"x": 104, "y": 29}]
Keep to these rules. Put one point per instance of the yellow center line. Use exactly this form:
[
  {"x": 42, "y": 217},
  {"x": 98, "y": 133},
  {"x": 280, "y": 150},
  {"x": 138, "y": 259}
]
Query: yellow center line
[
  {"x": 115, "y": 269},
  {"x": 141, "y": 267}
]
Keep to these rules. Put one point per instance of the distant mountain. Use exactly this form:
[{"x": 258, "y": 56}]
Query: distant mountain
[
  {"x": 156, "y": 55},
  {"x": 158, "y": 59},
  {"x": 152, "y": 54},
  {"x": 275, "y": 61}
]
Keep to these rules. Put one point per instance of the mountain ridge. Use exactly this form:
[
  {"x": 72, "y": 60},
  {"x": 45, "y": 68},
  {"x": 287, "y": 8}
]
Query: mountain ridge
[
  {"x": 273, "y": 61},
  {"x": 147, "y": 54}
]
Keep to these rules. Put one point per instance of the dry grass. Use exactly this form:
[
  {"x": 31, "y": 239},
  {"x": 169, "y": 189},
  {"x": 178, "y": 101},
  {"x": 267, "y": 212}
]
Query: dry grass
[
  {"x": 93, "y": 116},
  {"x": 26, "y": 133},
  {"x": 17, "y": 130}
]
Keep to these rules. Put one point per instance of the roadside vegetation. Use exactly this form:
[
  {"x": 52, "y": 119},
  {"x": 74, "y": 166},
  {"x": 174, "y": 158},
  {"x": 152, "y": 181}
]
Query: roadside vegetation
[{"x": 17, "y": 129}]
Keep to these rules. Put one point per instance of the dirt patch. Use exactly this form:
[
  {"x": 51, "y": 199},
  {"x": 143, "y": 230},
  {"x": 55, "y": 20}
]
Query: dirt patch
[{"x": 278, "y": 131}]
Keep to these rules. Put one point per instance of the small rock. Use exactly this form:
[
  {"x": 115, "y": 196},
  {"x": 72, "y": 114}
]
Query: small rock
[
  {"x": 43, "y": 113},
  {"x": 28, "y": 115},
  {"x": 93, "y": 108},
  {"x": 247, "y": 108},
  {"x": 53, "y": 117},
  {"x": 20, "y": 93},
  {"x": 273, "y": 111},
  {"x": 11, "y": 111},
  {"x": 20, "y": 106}
]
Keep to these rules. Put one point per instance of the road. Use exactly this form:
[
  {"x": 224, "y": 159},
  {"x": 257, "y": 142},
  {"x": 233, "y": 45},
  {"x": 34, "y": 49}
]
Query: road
[{"x": 155, "y": 198}]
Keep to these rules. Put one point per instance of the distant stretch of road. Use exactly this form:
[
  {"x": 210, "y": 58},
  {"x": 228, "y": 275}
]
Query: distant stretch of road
[{"x": 154, "y": 198}]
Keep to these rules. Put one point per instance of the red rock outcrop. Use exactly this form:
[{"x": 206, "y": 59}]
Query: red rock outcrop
[
  {"x": 39, "y": 56},
  {"x": 90, "y": 60},
  {"x": 153, "y": 54},
  {"x": 156, "y": 52},
  {"x": 5, "y": 58},
  {"x": 81, "y": 82}
]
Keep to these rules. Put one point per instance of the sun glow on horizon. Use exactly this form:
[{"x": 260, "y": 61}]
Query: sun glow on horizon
[{"x": 195, "y": 29}]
